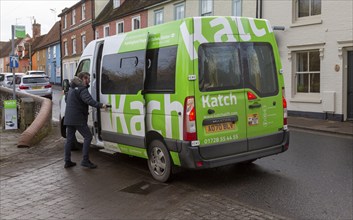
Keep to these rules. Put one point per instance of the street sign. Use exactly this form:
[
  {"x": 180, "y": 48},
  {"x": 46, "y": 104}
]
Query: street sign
[
  {"x": 20, "y": 31},
  {"x": 13, "y": 61}
]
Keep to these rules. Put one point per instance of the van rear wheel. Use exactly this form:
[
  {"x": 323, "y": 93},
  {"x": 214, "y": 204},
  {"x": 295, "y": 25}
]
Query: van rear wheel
[{"x": 159, "y": 162}]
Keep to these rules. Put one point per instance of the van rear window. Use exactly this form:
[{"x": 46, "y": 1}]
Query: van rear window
[
  {"x": 36, "y": 80},
  {"x": 224, "y": 66}
]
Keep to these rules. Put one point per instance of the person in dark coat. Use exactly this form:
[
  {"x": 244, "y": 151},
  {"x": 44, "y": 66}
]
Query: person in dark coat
[{"x": 76, "y": 115}]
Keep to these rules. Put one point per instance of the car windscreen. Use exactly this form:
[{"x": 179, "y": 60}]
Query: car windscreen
[{"x": 35, "y": 80}]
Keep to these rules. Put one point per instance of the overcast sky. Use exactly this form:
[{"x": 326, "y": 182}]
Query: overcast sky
[{"x": 23, "y": 12}]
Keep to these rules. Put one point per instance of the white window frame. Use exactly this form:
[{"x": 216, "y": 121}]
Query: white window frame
[
  {"x": 106, "y": 30},
  {"x": 176, "y": 7},
  {"x": 54, "y": 52},
  {"x": 49, "y": 55},
  {"x": 237, "y": 7},
  {"x": 116, "y": 3},
  {"x": 83, "y": 11},
  {"x": 117, "y": 27},
  {"x": 83, "y": 42},
  {"x": 65, "y": 21},
  {"x": 73, "y": 17},
  {"x": 138, "y": 18},
  {"x": 66, "y": 51},
  {"x": 306, "y": 20},
  {"x": 158, "y": 16},
  {"x": 74, "y": 50},
  {"x": 97, "y": 34},
  {"x": 208, "y": 6}
]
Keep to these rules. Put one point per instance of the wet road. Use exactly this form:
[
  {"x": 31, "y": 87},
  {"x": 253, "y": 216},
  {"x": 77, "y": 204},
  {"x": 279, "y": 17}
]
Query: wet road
[{"x": 312, "y": 180}]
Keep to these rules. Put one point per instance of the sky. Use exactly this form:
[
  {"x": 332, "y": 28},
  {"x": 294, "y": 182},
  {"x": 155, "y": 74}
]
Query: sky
[{"x": 23, "y": 12}]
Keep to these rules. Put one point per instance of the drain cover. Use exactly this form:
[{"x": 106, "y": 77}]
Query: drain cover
[{"x": 143, "y": 188}]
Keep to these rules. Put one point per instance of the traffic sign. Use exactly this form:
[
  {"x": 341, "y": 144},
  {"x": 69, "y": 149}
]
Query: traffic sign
[{"x": 13, "y": 61}]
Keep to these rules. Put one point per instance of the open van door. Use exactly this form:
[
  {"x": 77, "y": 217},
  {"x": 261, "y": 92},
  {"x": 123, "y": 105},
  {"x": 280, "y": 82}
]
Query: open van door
[{"x": 121, "y": 85}]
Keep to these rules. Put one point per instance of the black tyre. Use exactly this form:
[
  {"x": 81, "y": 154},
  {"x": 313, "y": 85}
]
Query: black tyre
[{"x": 159, "y": 161}]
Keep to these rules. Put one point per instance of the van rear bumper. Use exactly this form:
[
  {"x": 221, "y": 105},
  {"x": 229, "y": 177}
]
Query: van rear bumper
[{"x": 189, "y": 155}]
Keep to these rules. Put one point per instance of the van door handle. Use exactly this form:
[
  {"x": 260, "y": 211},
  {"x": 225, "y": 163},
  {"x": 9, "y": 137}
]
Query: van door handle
[
  {"x": 210, "y": 111},
  {"x": 256, "y": 105}
]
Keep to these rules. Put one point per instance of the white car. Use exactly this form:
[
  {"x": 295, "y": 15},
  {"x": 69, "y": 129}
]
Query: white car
[
  {"x": 36, "y": 85},
  {"x": 36, "y": 72},
  {"x": 8, "y": 79}
]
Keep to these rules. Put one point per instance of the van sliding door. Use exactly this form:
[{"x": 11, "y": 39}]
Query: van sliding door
[{"x": 122, "y": 83}]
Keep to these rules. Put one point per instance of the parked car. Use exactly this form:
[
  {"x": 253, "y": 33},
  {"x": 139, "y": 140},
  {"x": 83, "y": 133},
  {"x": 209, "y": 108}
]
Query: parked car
[
  {"x": 2, "y": 78},
  {"x": 8, "y": 78},
  {"x": 36, "y": 85},
  {"x": 35, "y": 72}
]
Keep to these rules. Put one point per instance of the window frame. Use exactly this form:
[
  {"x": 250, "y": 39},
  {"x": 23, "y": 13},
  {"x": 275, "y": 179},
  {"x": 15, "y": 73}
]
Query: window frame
[
  {"x": 237, "y": 7},
  {"x": 74, "y": 48},
  {"x": 305, "y": 20},
  {"x": 83, "y": 11},
  {"x": 83, "y": 41},
  {"x": 308, "y": 72},
  {"x": 73, "y": 17},
  {"x": 116, "y": 4},
  {"x": 65, "y": 21},
  {"x": 156, "y": 18},
  {"x": 208, "y": 13},
  {"x": 138, "y": 18},
  {"x": 176, "y": 6},
  {"x": 105, "y": 28},
  {"x": 117, "y": 27},
  {"x": 66, "y": 51}
]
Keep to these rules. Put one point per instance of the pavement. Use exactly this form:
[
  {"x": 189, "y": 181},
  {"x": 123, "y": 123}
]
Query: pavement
[{"x": 34, "y": 184}]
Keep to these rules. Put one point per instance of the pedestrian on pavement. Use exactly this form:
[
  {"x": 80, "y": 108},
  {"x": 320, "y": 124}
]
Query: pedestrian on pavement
[{"x": 76, "y": 116}]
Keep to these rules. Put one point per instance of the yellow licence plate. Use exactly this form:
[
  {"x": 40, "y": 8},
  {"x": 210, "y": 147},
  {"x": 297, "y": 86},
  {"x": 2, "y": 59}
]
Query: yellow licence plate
[
  {"x": 37, "y": 87},
  {"x": 220, "y": 127}
]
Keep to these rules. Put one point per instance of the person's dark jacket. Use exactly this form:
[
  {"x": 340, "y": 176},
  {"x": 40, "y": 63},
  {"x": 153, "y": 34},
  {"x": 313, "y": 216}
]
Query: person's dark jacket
[{"x": 77, "y": 101}]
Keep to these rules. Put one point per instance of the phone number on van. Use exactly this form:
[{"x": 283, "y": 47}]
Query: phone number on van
[{"x": 220, "y": 139}]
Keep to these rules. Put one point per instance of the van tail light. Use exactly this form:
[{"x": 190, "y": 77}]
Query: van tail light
[
  {"x": 47, "y": 86},
  {"x": 23, "y": 87},
  {"x": 251, "y": 96},
  {"x": 189, "y": 119},
  {"x": 285, "y": 114}
]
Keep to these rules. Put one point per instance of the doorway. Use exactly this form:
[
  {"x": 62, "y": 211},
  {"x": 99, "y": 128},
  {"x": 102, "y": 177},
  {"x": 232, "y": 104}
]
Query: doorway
[{"x": 350, "y": 86}]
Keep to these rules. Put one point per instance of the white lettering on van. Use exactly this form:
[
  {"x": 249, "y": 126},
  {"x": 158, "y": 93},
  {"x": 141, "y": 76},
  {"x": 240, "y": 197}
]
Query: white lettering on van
[
  {"x": 220, "y": 100},
  {"x": 121, "y": 116},
  {"x": 152, "y": 105},
  {"x": 258, "y": 32},
  {"x": 242, "y": 34},
  {"x": 138, "y": 119},
  {"x": 169, "y": 107},
  {"x": 226, "y": 31}
]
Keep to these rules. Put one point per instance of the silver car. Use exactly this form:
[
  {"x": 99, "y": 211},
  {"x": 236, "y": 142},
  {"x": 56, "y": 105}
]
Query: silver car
[
  {"x": 8, "y": 79},
  {"x": 36, "y": 85}
]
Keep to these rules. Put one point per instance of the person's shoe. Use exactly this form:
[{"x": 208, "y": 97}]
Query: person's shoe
[
  {"x": 88, "y": 164},
  {"x": 69, "y": 164}
]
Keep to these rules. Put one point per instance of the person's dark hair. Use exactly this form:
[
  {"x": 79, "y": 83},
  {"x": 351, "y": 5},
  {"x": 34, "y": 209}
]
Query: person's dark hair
[{"x": 81, "y": 75}]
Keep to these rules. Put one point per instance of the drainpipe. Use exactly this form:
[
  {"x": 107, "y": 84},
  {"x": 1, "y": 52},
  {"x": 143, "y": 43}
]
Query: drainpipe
[
  {"x": 257, "y": 8},
  {"x": 260, "y": 8}
]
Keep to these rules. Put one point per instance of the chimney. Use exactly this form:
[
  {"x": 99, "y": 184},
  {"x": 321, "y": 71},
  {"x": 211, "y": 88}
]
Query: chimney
[{"x": 36, "y": 29}]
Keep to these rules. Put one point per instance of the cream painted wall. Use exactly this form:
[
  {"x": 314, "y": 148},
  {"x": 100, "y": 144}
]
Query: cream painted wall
[{"x": 332, "y": 32}]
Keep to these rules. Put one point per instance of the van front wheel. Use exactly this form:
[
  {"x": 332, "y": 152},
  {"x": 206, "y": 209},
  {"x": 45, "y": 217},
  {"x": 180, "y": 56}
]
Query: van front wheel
[{"x": 159, "y": 162}]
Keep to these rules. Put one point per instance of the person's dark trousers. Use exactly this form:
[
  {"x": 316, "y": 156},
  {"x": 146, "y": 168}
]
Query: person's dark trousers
[{"x": 70, "y": 138}]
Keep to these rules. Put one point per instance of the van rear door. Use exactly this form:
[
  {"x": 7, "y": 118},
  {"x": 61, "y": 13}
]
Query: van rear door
[
  {"x": 264, "y": 109},
  {"x": 220, "y": 101},
  {"x": 122, "y": 83}
]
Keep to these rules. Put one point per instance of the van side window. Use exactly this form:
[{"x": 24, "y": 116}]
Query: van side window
[
  {"x": 123, "y": 73},
  {"x": 261, "y": 69},
  {"x": 83, "y": 66},
  {"x": 160, "y": 69},
  {"x": 219, "y": 67}
]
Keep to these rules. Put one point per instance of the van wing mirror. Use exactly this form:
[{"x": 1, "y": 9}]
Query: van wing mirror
[{"x": 66, "y": 85}]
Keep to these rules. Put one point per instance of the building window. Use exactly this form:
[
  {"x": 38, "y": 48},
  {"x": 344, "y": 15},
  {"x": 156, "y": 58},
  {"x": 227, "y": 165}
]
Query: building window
[
  {"x": 136, "y": 23},
  {"x": 74, "y": 46},
  {"x": 206, "y": 7},
  {"x": 116, "y": 3},
  {"x": 54, "y": 52},
  {"x": 83, "y": 41},
  {"x": 73, "y": 17},
  {"x": 307, "y": 8},
  {"x": 237, "y": 7},
  {"x": 120, "y": 27},
  {"x": 49, "y": 56},
  {"x": 106, "y": 31},
  {"x": 158, "y": 17},
  {"x": 308, "y": 71},
  {"x": 97, "y": 34},
  {"x": 83, "y": 12},
  {"x": 179, "y": 11},
  {"x": 65, "y": 21},
  {"x": 65, "y": 49}
]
